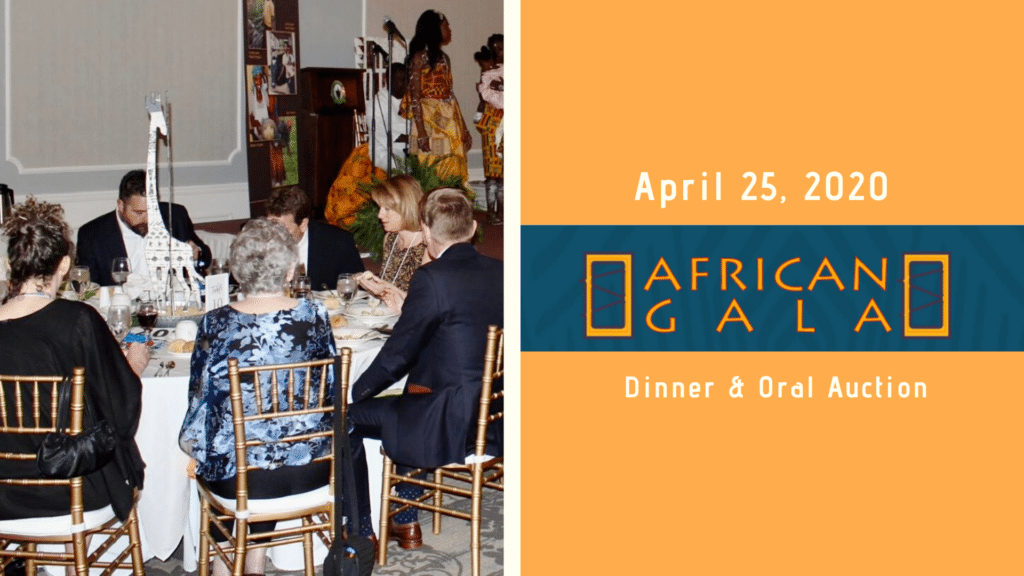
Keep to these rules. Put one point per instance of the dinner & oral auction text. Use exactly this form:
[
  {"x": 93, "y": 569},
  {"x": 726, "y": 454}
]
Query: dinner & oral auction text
[{"x": 769, "y": 388}]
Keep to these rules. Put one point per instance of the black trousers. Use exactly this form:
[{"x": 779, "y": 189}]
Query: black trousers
[
  {"x": 266, "y": 484},
  {"x": 366, "y": 419}
]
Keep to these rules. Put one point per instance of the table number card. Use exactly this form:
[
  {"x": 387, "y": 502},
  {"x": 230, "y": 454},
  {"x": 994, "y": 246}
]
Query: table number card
[{"x": 216, "y": 291}]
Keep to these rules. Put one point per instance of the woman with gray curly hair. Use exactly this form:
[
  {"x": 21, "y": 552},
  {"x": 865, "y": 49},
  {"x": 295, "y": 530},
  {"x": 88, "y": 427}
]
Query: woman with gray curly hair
[
  {"x": 267, "y": 327},
  {"x": 262, "y": 260}
]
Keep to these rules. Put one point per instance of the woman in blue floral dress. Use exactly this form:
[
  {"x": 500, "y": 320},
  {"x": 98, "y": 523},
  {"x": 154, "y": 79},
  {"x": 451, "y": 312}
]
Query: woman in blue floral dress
[{"x": 265, "y": 328}]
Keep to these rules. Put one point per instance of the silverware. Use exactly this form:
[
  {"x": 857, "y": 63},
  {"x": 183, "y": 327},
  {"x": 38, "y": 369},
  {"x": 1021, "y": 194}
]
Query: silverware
[{"x": 164, "y": 369}]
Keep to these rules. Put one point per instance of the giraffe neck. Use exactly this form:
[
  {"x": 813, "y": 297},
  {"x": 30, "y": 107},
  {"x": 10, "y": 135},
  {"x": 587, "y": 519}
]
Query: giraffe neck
[{"x": 156, "y": 221}]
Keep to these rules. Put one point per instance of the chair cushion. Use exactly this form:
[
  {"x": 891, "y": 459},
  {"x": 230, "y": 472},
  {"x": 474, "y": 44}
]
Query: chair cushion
[
  {"x": 473, "y": 459},
  {"x": 54, "y": 525},
  {"x": 295, "y": 502}
]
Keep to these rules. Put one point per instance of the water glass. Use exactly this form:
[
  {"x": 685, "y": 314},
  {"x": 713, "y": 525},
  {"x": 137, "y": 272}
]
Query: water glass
[
  {"x": 120, "y": 269},
  {"x": 79, "y": 277},
  {"x": 301, "y": 287},
  {"x": 119, "y": 319},
  {"x": 347, "y": 287}
]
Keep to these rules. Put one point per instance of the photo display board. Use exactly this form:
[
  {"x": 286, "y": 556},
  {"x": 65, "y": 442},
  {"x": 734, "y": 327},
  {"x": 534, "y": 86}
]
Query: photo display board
[{"x": 271, "y": 46}]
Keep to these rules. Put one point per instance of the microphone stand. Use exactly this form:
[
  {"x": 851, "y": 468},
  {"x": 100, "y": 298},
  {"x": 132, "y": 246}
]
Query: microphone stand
[
  {"x": 392, "y": 31},
  {"x": 391, "y": 140},
  {"x": 373, "y": 106}
]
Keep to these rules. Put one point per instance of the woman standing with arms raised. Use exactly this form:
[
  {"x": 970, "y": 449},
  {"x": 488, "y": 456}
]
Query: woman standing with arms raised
[{"x": 438, "y": 129}]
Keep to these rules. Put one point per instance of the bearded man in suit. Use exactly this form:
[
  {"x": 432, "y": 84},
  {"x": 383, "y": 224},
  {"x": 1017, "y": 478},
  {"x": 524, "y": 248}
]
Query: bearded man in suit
[
  {"x": 122, "y": 233},
  {"x": 439, "y": 342}
]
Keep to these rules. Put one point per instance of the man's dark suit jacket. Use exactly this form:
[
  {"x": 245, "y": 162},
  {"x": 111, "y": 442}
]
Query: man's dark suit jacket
[
  {"x": 439, "y": 341},
  {"x": 331, "y": 252},
  {"x": 99, "y": 241}
]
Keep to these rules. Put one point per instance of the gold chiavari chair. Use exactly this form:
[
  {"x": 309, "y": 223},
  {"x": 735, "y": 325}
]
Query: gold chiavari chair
[
  {"x": 479, "y": 471},
  {"x": 28, "y": 406},
  {"x": 316, "y": 508}
]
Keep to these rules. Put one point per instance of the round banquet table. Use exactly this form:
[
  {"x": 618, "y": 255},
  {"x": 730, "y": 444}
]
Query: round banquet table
[{"x": 169, "y": 503}]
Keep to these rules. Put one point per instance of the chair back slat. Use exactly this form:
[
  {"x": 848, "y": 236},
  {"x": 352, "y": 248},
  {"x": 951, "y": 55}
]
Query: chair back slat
[
  {"x": 291, "y": 388},
  {"x": 274, "y": 405},
  {"x": 19, "y": 409}
]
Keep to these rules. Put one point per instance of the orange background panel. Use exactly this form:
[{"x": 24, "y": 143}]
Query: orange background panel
[
  {"x": 772, "y": 486},
  {"x": 929, "y": 93}
]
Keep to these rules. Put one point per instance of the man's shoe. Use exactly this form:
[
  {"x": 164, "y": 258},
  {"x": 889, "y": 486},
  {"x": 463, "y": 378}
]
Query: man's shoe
[{"x": 408, "y": 535}]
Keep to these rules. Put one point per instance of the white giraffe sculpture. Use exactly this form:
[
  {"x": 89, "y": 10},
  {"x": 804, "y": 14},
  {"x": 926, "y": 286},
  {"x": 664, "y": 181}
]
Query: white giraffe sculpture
[{"x": 163, "y": 251}]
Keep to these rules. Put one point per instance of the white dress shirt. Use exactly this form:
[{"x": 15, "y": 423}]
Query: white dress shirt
[
  {"x": 135, "y": 247},
  {"x": 304, "y": 253},
  {"x": 398, "y": 128}
]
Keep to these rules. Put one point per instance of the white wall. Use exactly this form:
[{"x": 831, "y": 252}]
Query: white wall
[{"x": 73, "y": 76}]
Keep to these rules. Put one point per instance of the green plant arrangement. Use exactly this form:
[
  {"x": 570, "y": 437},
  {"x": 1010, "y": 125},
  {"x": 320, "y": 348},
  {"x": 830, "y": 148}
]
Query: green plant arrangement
[{"x": 367, "y": 229}]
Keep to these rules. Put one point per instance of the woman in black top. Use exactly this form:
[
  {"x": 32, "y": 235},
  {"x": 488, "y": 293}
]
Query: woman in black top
[{"x": 43, "y": 335}]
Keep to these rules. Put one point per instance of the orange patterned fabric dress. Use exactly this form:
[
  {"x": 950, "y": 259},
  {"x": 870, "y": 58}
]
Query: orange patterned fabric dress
[
  {"x": 431, "y": 92},
  {"x": 492, "y": 148},
  {"x": 346, "y": 198}
]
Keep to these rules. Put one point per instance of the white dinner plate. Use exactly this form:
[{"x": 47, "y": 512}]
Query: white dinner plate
[
  {"x": 355, "y": 338},
  {"x": 329, "y": 300},
  {"x": 167, "y": 350},
  {"x": 363, "y": 311}
]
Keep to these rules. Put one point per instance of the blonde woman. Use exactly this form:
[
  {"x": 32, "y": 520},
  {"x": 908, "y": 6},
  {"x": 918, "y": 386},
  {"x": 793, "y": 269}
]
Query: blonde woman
[{"x": 403, "y": 249}]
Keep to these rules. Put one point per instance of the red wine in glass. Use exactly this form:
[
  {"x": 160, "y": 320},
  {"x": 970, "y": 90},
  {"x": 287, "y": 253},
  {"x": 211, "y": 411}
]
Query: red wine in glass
[
  {"x": 147, "y": 314},
  {"x": 147, "y": 320}
]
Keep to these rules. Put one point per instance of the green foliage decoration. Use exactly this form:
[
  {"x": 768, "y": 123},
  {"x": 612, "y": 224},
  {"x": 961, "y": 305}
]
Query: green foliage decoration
[{"x": 367, "y": 230}]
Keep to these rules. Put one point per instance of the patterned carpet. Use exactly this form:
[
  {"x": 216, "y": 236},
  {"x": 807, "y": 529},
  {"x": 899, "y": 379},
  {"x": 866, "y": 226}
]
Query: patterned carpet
[{"x": 446, "y": 554}]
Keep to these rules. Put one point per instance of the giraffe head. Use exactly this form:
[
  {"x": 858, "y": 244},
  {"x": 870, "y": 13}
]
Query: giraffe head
[{"x": 155, "y": 107}]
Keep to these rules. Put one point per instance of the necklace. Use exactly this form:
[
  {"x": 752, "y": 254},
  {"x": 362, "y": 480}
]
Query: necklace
[
  {"x": 398, "y": 270},
  {"x": 274, "y": 295},
  {"x": 33, "y": 295}
]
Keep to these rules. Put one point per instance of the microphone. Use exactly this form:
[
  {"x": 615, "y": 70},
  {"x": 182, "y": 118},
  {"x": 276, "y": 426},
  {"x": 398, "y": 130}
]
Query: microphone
[{"x": 390, "y": 28}]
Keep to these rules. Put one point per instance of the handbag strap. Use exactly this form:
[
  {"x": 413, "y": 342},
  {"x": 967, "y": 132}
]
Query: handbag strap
[
  {"x": 344, "y": 477},
  {"x": 64, "y": 405}
]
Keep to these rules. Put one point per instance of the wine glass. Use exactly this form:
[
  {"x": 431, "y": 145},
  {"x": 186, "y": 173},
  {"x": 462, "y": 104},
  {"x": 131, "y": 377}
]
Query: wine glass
[
  {"x": 119, "y": 319},
  {"x": 347, "y": 287},
  {"x": 301, "y": 287},
  {"x": 79, "y": 277},
  {"x": 120, "y": 269},
  {"x": 147, "y": 313}
]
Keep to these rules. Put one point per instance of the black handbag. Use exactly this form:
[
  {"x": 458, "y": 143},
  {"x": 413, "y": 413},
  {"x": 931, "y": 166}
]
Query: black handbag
[
  {"x": 62, "y": 455},
  {"x": 352, "y": 556}
]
